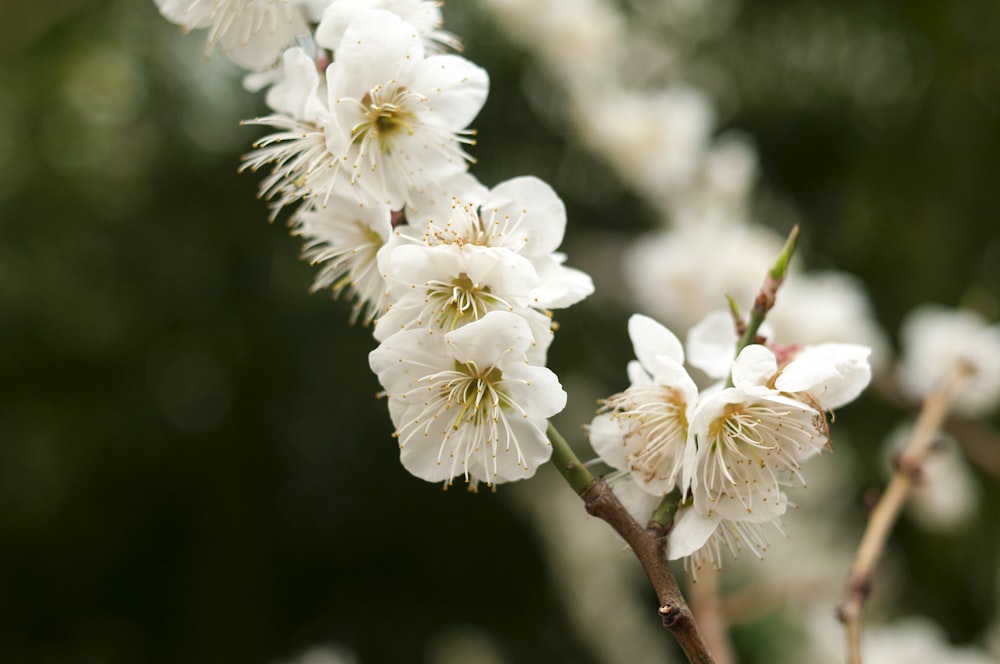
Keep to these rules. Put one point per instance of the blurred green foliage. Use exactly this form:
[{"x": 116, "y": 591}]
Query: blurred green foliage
[{"x": 193, "y": 463}]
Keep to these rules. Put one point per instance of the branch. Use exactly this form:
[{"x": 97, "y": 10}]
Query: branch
[
  {"x": 648, "y": 544},
  {"x": 884, "y": 516}
]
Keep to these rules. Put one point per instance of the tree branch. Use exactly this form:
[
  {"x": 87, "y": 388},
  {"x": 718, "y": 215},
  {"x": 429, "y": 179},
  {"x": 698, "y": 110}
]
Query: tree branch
[
  {"x": 884, "y": 516},
  {"x": 648, "y": 544}
]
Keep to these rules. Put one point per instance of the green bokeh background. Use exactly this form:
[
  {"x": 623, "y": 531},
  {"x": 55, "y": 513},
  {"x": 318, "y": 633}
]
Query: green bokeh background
[{"x": 193, "y": 463}]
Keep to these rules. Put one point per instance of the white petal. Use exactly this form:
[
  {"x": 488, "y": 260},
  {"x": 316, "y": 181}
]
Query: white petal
[
  {"x": 650, "y": 339},
  {"x": 405, "y": 357},
  {"x": 535, "y": 213},
  {"x": 711, "y": 344},
  {"x": 378, "y": 47},
  {"x": 754, "y": 367},
  {"x": 607, "y": 439},
  {"x": 561, "y": 286},
  {"x": 690, "y": 532},
  {"x": 335, "y": 20},
  {"x": 488, "y": 339},
  {"x": 834, "y": 374},
  {"x": 670, "y": 373},
  {"x": 637, "y": 375},
  {"x": 534, "y": 447},
  {"x": 535, "y": 392},
  {"x": 456, "y": 89}
]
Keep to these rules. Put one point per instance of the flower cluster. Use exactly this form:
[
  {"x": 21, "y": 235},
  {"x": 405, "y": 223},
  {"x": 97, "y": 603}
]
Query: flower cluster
[
  {"x": 729, "y": 449},
  {"x": 370, "y": 124}
]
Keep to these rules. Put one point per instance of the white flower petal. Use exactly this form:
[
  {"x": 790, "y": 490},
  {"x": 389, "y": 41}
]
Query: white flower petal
[
  {"x": 536, "y": 214},
  {"x": 711, "y": 344},
  {"x": 488, "y": 339},
  {"x": 455, "y": 87},
  {"x": 608, "y": 440},
  {"x": 650, "y": 339},
  {"x": 561, "y": 286},
  {"x": 690, "y": 531},
  {"x": 377, "y": 47},
  {"x": 833, "y": 374},
  {"x": 754, "y": 367}
]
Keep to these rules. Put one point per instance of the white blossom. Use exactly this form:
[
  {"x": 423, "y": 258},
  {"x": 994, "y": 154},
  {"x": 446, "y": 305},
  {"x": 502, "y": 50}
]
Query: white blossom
[
  {"x": 294, "y": 87},
  {"x": 912, "y": 640},
  {"x": 749, "y": 446},
  {"x": 524, "y": 215},
  {"x": 467, "y": 403},
  {"x": 681, "y": 275},
  {"x": 645, "y": 429},
  {"x": 825, "y": 376},
  {"x": 934, "y": 340},
  {"x": 656, "y": 140},
  {"x": 446, "y": 286},
  {"x": 393, "y": 121},
  {"x": 700, "y": 539},
  {"x": 344, "y": 239}
]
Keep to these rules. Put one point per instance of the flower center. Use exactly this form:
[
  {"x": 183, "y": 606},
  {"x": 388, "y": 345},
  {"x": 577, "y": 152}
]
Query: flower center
[
  {"x": 476, "y": 393},
  {"x": 655, "y": 425},
  {"x": 459, "y": 300},
  {"x": 386, "y": 115}
]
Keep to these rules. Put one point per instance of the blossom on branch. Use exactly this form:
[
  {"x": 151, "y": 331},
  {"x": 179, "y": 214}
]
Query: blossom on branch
[
  {"x": 387, "y": 120},
  {"x": 344, "y": 239},
  {"x": 731, "y": 449},
  {"x": 644, "y": 429},
  {"x": 468, "y": 403}
]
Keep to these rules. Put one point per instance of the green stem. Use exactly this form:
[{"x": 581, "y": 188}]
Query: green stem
[
  {"x": 567, "y": 463},
  {"x": 765, "y": 298},
  {"x": 663, "y": 515}
]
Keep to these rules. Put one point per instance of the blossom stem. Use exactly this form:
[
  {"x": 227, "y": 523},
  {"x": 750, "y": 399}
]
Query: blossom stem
[
  {"x": 648, "y": 544},
  {"x": 663, "y": 515},
  {"x": 567, "y": 463},
  {"x": 884, "y": 516},
  {"x": 767, "y": 294}
]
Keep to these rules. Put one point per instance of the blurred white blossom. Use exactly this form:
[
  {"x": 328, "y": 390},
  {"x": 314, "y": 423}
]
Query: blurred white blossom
[
  {"x": 934, "y": 340},
  {"x": 678, "y": 276},
  {"x": 251, "y": 32}
]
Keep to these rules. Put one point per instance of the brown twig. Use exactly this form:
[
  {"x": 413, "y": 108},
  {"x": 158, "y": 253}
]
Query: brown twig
[
  {"x": 885, "y": 513},
  {"x": 649, "y": 546}
]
